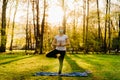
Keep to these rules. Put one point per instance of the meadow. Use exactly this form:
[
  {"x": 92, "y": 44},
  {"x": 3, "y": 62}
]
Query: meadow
[{"x": 23, "y": 67}]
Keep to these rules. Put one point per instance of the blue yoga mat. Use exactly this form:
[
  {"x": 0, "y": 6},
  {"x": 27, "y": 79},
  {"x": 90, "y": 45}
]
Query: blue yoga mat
[{"x": 72, "y": 74}]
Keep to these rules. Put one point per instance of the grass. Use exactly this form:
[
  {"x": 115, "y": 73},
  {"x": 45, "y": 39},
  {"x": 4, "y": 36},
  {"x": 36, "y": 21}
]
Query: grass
[{"x": 22, "y": 67}]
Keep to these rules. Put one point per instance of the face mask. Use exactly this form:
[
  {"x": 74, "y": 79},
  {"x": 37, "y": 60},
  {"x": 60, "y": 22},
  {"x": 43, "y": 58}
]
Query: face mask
[{"x": 61, "y": 31}]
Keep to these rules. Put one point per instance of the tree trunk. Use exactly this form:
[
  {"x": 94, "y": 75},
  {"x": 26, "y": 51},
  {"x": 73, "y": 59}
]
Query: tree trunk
[
  {"x": 35, "y": 30},
  {"x": 118, "y": 46},
  {"x": 84, "y": 16},
  {"x": 3, "y": 27},
  {"x": 119, "y": 27},
  {"x": 105, "y": 37},
  {"x": 8, "y": 23},
  {"x": 27, "y": 24},
  {"x": 30, "y": 38},
  {"x": 74, "y": 22},
  {"x": 37, "y": 49},
  {"x": 87, "y": 24},
  {"x": 13, "y": 26},
  {"x": 109, "y": 28},
  {"x": 35, "y": 9},
  {"x": 42, "y": 28},
  {"x": 64, "y": 16},
  {"x": 98, "y": 14}
]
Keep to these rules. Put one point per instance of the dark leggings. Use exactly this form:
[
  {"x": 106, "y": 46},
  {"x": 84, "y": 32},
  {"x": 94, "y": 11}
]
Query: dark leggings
[
  {"x": 61, "y": 57},
  {"x": 55, "y": 52}
]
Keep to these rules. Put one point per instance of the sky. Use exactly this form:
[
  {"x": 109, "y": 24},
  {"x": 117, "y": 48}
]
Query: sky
[{"x": 55, "y": 12}]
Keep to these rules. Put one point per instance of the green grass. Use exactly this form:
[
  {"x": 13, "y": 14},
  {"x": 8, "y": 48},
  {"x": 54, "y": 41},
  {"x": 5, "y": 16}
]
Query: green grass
[{"x": 22, "y": 67}]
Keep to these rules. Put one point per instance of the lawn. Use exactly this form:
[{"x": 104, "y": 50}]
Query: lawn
[{"x": 23, "y": 67}]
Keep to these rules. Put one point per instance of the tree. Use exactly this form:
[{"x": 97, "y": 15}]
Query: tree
[
  {"x": 98, "y": 13},
  {"x": 118, "y": 39},
  {"x": 84, "y": 17},
  {"x": 11, "y": 6},
  {"x": 27, "y": 24},
  {"x": 34, "y": 23},
  {"x": 13, "y": 26},
  {"x": 106, "y": 25},
  {"x": 87, "y": 24},
  {"x": 42, "y": 28},
  {"x": 64, "y": 16},
  {"x": 35, "y": 9},
  {"x": 109, "y": 26},
  {"x": 3, "y": 27},
  {"x": 119, "y": 28}
]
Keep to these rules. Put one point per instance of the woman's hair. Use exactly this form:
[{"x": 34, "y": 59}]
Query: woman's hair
[{"x": 61, "y": 27}]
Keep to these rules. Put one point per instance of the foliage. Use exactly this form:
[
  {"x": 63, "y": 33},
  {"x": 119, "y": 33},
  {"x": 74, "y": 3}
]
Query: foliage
[
  {"x": 74, "y": 23},
  {"x": 116, "y": 43}
]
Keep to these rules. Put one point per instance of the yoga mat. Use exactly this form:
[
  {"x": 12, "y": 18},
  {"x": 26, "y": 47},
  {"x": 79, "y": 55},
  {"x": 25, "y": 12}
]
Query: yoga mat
[{"x": 72, "y": 74}]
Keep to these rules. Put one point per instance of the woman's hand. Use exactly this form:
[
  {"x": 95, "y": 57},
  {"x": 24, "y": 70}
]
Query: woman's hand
[{"x": 63, "y": 45}]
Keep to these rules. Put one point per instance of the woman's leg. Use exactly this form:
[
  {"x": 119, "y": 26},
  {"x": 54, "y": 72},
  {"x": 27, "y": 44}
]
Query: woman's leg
[
  {"x": 61, "y": 58},
  {"x": 52, "y": 54}
]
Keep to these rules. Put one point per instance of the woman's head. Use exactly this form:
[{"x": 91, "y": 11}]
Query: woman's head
[{"x": 61, "y": 30}]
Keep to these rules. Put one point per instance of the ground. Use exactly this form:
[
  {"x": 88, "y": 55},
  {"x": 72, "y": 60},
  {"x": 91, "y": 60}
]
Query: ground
[{"x": 23, "y": 67}]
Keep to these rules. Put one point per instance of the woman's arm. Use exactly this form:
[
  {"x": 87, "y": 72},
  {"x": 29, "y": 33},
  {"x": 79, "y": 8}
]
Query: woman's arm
[
  {"x": 54, "y": 43},
  {"x": 67, "y": 42}
]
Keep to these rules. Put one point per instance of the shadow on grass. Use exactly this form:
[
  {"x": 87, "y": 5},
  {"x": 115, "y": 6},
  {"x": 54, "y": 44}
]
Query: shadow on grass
[
  {"x": 60, "y": 78},
  {"x": 7, "y": 62},
  {"x": 102, "y": 65},
  {"x": 94, "y": 61},
  {"x": 74, "y": 66},
  {"x": 8, "y": 56}
]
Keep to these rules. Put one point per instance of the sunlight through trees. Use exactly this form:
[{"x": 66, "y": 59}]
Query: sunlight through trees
[{"x": 91, "y": 25}]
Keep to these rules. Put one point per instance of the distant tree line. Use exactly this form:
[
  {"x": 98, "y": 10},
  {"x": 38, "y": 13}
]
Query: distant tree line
[{"x": 91, "y": 28}]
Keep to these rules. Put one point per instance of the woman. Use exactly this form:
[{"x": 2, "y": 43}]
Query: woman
[{"x": 60, "y": 42}]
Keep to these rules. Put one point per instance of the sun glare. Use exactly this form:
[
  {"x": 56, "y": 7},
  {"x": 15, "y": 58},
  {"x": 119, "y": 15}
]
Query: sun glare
[{"x": 55, "y": 15}]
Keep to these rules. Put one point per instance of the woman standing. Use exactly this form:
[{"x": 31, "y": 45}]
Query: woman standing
[{"x": 59, "y": 43}]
